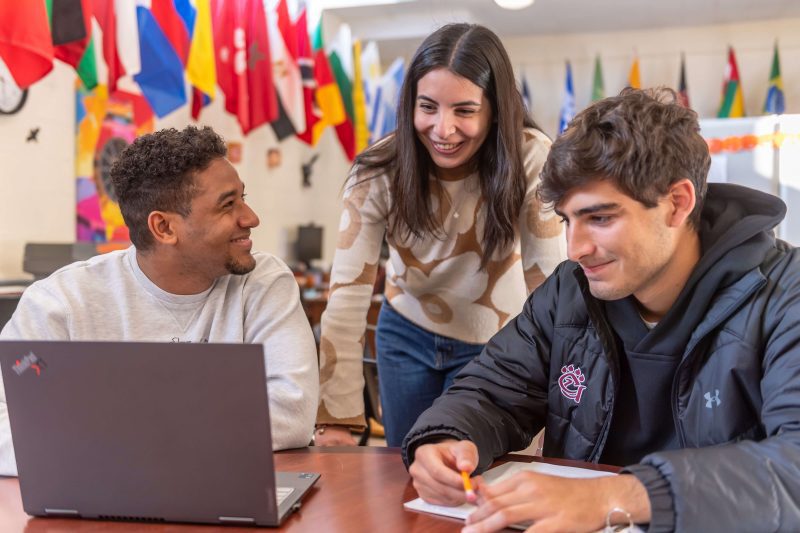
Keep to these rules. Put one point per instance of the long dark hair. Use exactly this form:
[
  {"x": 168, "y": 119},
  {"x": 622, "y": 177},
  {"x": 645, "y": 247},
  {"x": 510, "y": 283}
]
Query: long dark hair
[{"x": 475, "y": 53}]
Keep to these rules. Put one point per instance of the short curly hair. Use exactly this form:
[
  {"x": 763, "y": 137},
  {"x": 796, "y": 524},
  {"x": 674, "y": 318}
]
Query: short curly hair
[
  {"x": 642, "y": 141},
  {"x": 156, "y": 173}
]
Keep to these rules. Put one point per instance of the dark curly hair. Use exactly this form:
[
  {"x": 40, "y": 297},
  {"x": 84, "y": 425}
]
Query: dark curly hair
[
  {"x": 156, "y": 173},
  {"x": 642, "y": 141}
]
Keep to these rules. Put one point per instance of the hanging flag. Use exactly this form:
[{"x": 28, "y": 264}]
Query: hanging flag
[
  {"x": 371, "y": 73},
  {"x": 25, "y": 43},
  {"x": 188, "y": 13},
  {"x": 683, "y": 91},
  {"x": 732, "y": 104},
  {"x": 285, "y": 71},
  {"x": 244, "y": 64},
  {"x": 775, "y": 102},
  {"x": 104, "y": 13},
  {"x": 201, "y": 70},
  {"x": 340, "y": 59},
  {"x": 359, "y": 101},
  {"x": 305, "y": 60},
  {"x": 526, "y": 94},
  {"x": 161, "y": 74},
  {"x": 568, "y": 104},
  {"x": 128, "y": 46},
  {"x": 173, "y": 26},
  {"x": 598, "y": 87},
  {"x": 384, "y": 118},
  {"x": 71, "y": 30},
  {"x": 634, "y": 78}
]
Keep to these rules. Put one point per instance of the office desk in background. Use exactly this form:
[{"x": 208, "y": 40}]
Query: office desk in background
[{"x": 361, "y": 489}]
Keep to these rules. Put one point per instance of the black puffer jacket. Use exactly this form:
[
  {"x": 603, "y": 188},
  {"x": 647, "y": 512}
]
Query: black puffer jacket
[{"x": 735, "y": 394}]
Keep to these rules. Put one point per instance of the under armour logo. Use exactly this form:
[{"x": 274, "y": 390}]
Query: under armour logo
[
  {"x": 570, "y": 383},
  {"x": 710, "y": 400}
]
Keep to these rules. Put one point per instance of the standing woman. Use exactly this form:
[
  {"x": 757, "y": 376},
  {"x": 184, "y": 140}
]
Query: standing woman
[{"x": 452, "y": 189}]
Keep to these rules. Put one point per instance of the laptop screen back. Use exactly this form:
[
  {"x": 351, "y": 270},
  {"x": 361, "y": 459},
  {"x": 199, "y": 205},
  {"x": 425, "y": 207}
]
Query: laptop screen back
[{"x": 154, "y": 431}]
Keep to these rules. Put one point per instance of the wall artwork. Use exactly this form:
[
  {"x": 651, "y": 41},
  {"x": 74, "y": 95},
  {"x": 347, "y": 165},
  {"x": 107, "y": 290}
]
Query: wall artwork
[{"x": 105, "y": 125}]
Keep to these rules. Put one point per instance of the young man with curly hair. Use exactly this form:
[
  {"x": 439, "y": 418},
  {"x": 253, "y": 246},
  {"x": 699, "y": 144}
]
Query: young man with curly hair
[
  {"x": 190, "y": 276},
  {"x": 668, "y": 343}
]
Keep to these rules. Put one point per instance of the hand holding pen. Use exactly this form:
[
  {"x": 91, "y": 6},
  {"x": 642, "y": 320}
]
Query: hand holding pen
[{"x": 437, "y": 472}]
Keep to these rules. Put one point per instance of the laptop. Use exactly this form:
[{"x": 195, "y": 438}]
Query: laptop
[{"x": 155, "y": 432}]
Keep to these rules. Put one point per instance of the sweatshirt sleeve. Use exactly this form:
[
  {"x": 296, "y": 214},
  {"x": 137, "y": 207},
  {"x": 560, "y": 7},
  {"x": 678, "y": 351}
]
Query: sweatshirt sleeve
[
  {"x": 355, "y": 265},
  {"x": 542, "y": 238},
  {"x": 40, "y": 316},
  {"x": 275, "y": 318}
]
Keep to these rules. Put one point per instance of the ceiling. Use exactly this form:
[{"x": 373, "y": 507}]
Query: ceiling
[{"x": 400, "y": 27}]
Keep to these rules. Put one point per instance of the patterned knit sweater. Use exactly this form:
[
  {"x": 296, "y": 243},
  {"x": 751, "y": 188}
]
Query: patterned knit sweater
[{"x": 435, "y": 283}]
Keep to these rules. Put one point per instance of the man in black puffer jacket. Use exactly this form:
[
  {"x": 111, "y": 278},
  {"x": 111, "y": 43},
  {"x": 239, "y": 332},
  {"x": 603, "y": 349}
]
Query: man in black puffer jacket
[{"x": 669, "y": 343}]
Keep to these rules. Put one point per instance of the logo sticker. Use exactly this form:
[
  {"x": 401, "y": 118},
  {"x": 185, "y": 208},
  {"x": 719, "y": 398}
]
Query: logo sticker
[
  {"x": 570, "y": 383},
  {"x": 712, "y": 401},
  {"x": 29, "y": 361}
]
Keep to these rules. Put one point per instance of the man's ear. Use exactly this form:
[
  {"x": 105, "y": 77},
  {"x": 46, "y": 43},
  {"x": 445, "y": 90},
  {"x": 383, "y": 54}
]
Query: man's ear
[
  {"x": 681, "y": 197},
  {"x": 162, "y": 226}
]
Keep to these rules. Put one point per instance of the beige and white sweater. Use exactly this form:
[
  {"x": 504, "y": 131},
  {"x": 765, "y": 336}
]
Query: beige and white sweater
[{"x": 435, "y": 283}]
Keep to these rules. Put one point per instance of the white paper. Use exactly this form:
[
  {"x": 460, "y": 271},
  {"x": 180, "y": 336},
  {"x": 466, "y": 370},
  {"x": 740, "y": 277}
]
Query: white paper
[{"x": 502, "y": 473}]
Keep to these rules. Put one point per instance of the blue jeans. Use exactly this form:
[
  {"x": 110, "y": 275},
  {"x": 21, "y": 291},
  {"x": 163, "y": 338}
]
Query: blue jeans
[{"x": 415, "y": 367}]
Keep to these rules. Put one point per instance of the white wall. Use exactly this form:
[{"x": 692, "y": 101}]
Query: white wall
[{"x": 37, "y": 179}]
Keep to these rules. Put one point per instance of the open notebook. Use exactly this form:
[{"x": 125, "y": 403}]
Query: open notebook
[{"x": 501, "y": 473}]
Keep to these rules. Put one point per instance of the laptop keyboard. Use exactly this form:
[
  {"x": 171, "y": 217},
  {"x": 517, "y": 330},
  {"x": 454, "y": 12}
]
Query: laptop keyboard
[{"x": 283, "y": 493}]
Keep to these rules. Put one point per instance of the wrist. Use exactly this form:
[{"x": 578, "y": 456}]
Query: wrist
[{"x": 627, "y": 500}]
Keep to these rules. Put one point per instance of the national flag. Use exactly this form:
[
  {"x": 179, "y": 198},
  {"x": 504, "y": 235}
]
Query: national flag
[
  {"x": 161, "y": 75},
  {"x": 359, "y": 101},
  {"x": 128, "y": 46},
  {"x": 634, "y": 77},
  {"x": 25, "y": 43},
  {"x": 732, "y": 104},
  {"x": 340, "y": 59},
  {"x": 305, "y": 60},
  {"x": 71, "y": 30},
  {"x": 775, "y": 102},
  {"x": 683, "y": 90},
  {"x": 173, "y": 26},
  {"x": 598, "y": 86},
  {"x": 526, "y": 94},
  {"x": 187, "y": 12},
  {"x": 244, "y": 64},
  {"x": 104, "y": 13},
  {"x": 201, "y": 69},
  {"x": 568, "y": 104},
  {"x": 384, "y": 119},
  {"x": 285, "y": 71},
  {"x": 371, "y": 75}
]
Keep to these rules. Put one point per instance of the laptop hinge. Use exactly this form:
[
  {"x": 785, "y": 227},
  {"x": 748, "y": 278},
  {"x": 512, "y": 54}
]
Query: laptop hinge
[
  {"x": 61, "y": 512},
  {"x": 237, "y": 519}
]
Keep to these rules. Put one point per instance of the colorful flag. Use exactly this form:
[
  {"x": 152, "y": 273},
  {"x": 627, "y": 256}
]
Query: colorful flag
[
  {"x": 775, "y": 102},
  {"x": 568, "y": 104},
  {"x": 25, "y": 43},
  {"x": 244, "y": 64},
  {"x": 732, "y": 104},
  {"x": 683, "y": 90},
  {"x": 285, "y": 71},
  {"x": 340, "y": 59},
  {"x": 104, "y": 13},
  {"x": 359, "y": 101},
  {"x": 598, "y": 87},
  {"x": 371, "y": 75},
  {"x": 173, "y": 26},
  {"x": 305, "y": 60},
  {"x": 128, "y": 47},
  {"x": 200, "y": 67},
  {"x": 161, "y": 75},
  {"x": 634, "y": 78},
  {"x": 384, "y": 119},
  {"x": 71, "y": 30}
]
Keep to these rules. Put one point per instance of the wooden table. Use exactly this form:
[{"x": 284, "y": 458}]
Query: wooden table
[{"x": 361, "y": 489}]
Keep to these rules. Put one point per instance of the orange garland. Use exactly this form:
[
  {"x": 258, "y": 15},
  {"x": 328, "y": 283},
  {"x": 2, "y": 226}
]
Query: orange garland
[{"x": 740, "y": 143}]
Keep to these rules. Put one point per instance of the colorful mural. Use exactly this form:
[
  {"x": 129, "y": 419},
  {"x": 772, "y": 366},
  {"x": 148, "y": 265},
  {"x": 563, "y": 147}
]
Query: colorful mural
[{"x": 104, "y": 127}]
